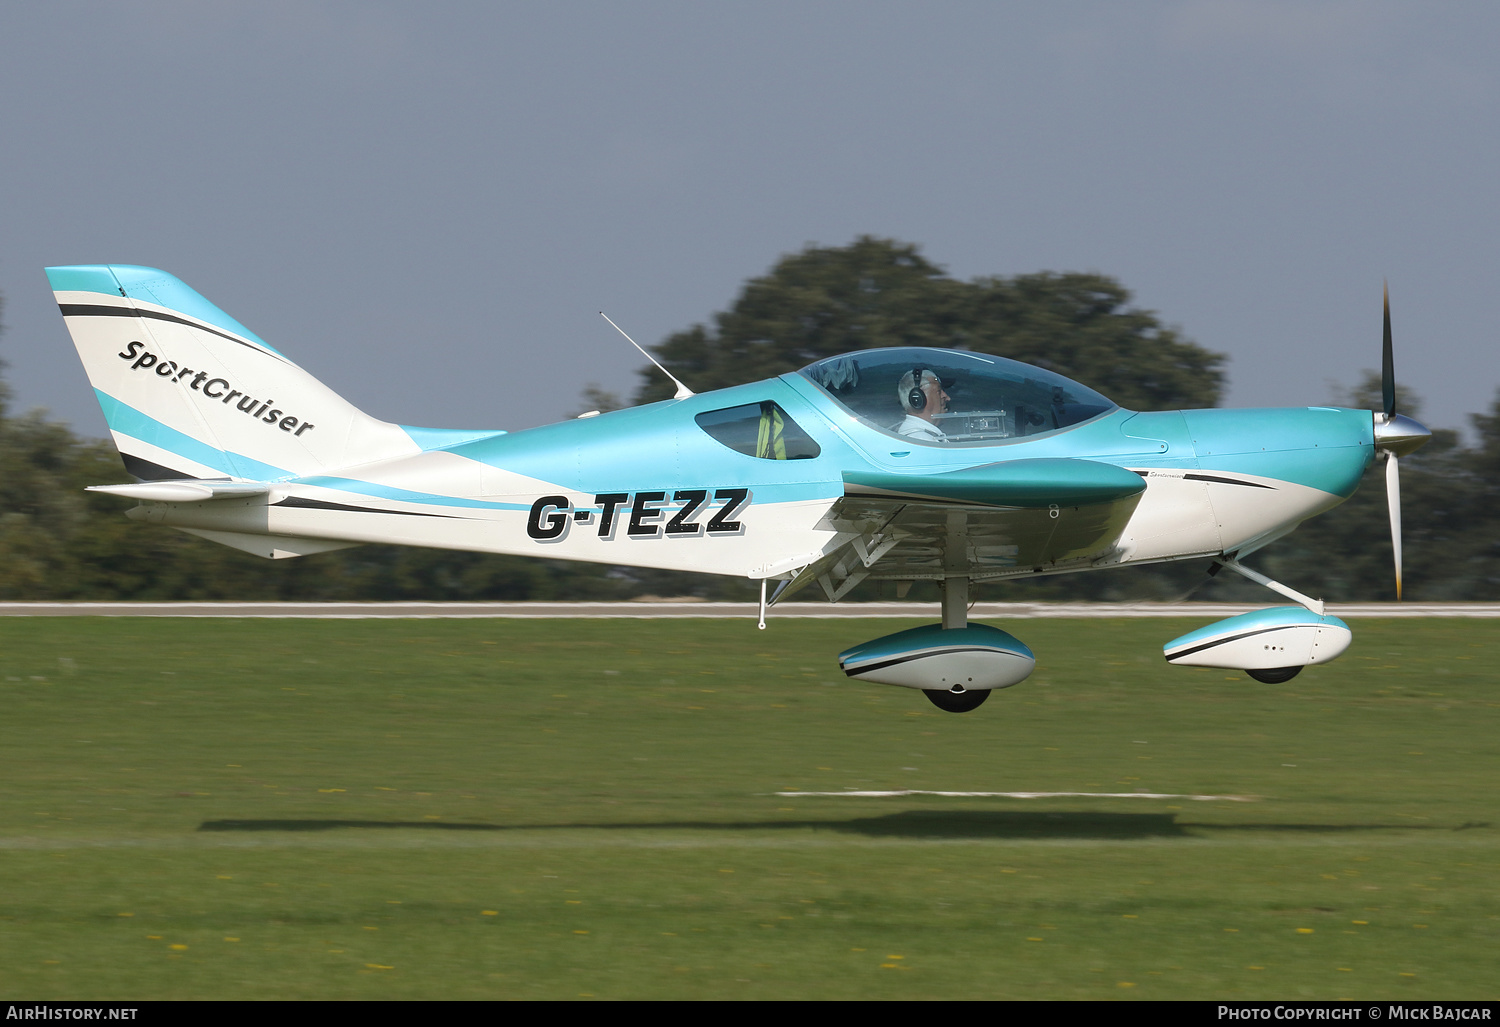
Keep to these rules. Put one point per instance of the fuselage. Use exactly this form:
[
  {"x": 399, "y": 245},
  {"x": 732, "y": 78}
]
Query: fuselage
[{"x": 680, "y": 484}]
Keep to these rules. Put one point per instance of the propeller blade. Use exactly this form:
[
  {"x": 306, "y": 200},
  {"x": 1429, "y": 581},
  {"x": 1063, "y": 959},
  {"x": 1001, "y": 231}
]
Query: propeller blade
[
  {"x": 1388, "y": 364},
  {"x": 1393, "y": 500}
]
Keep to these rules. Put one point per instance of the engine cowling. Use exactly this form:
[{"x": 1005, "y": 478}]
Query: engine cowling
[
  {"x": 1282, "y": 636},
  {"x": 973, "y": 658}
]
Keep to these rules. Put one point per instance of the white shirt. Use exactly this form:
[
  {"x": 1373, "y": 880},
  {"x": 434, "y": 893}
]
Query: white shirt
[{"x": 919, "y": 428}]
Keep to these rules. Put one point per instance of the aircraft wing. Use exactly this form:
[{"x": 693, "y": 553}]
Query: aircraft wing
[{"x": 988, "y": 522}]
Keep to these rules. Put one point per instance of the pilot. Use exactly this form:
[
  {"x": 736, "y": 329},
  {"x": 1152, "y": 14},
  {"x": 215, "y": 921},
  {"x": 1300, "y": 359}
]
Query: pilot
[{"x": 923, "y": 399}]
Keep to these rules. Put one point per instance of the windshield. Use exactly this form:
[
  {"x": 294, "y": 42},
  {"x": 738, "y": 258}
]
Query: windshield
[{"x": 953, "y": 396}]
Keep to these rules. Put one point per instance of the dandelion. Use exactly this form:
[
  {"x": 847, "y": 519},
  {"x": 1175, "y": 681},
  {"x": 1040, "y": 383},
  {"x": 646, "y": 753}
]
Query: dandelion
[
  {"x": 580, "y": 932},
  {"x": 379, "y": 966},
  {"x": 489, "y": 912},
  {"x": 177, "y": 948},
  {"x": 1304, "y": 930},
  {"x": 231, "y": 939},
  {"x": 1125, "y": 984},
  {"x": 126, "y": 914}
]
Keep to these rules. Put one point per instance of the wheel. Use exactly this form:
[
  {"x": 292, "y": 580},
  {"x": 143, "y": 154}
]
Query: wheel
[
  {"x": 958, "y": 702},
  {"x": 1274, "y": 676}
]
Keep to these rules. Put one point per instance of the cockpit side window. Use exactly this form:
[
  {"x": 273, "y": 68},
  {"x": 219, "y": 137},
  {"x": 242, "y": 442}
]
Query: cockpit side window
[
  {"x": 762, "y": 430},
  {"x": 951, "y": 397}
]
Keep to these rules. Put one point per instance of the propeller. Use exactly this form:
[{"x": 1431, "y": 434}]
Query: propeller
[{"x": 1395, "y": 435}]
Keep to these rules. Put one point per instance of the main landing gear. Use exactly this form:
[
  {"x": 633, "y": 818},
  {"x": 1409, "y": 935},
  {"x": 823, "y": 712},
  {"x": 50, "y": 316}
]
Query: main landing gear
[
  {"x": 955, "y": 664},
  {"x": 956, "y": 699}
]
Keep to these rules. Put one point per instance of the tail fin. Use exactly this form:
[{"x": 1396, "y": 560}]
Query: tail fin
[{"x": 189, "y": 392}]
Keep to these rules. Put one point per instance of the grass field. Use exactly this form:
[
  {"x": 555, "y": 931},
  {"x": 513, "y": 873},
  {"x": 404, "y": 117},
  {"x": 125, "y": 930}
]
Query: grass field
[{"x": 556, "y": 809}]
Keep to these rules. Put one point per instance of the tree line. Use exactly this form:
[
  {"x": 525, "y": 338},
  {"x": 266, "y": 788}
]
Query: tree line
[{"x": 58, "y": 542}]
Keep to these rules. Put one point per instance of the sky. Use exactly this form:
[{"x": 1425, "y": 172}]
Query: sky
[{"x": 427, "y": 205}]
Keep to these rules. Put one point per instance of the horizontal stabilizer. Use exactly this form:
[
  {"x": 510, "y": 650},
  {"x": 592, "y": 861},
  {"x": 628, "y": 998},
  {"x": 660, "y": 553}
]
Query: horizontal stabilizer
[
  {"x": 191, "y": 490},
  {"x": 272, "y": 547},
  {"x": 1018, "y": 483}
]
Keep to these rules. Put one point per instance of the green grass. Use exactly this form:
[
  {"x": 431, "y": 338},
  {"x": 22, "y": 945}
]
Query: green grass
[{"x": 550, "y": 809}]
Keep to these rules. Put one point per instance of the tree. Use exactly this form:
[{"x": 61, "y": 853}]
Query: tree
[{"x": 878, "y": 292}]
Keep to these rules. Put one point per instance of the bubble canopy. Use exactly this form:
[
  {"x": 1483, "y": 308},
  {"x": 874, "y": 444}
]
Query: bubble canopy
[{"x": 952, "y": 397}]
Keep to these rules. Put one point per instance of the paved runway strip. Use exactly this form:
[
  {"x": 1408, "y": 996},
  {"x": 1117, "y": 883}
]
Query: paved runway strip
[
  {"x": 1016, "y": 795},
  {"x": 652, "y": 610}
]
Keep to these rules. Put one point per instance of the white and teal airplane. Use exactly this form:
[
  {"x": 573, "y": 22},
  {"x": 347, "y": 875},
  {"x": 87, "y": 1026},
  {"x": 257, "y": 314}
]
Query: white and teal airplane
[{"x": 904, "y": 464}]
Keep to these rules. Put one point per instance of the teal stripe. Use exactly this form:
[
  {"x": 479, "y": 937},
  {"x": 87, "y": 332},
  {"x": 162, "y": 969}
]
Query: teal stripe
[
  {"x": 152, "y": 286},
  {"x": 442, "y": 438},
  {"x": 83, "y": 278},
  {"x": 1274, "y": 617},
  {"x": 369, "y": 488},
  {"x": 759, "y": 497},
  {"x": 127, "y": 420},
  {"x": 930, "y": 635}
]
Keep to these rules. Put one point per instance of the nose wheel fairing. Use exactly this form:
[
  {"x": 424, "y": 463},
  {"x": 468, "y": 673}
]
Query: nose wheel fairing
[{"x": 1263, "y": 640}]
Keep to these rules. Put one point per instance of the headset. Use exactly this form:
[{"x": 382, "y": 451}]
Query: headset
[{"x": 916, "y": 399}]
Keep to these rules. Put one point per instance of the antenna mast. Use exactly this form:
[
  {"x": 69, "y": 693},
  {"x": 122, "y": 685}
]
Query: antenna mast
[{"x": 683, "y": 392}]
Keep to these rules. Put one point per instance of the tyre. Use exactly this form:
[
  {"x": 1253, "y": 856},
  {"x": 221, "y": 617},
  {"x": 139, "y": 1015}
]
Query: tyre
[
  {"x": 958, "y": 702},
  {"x": 1274, "y": 676}
]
